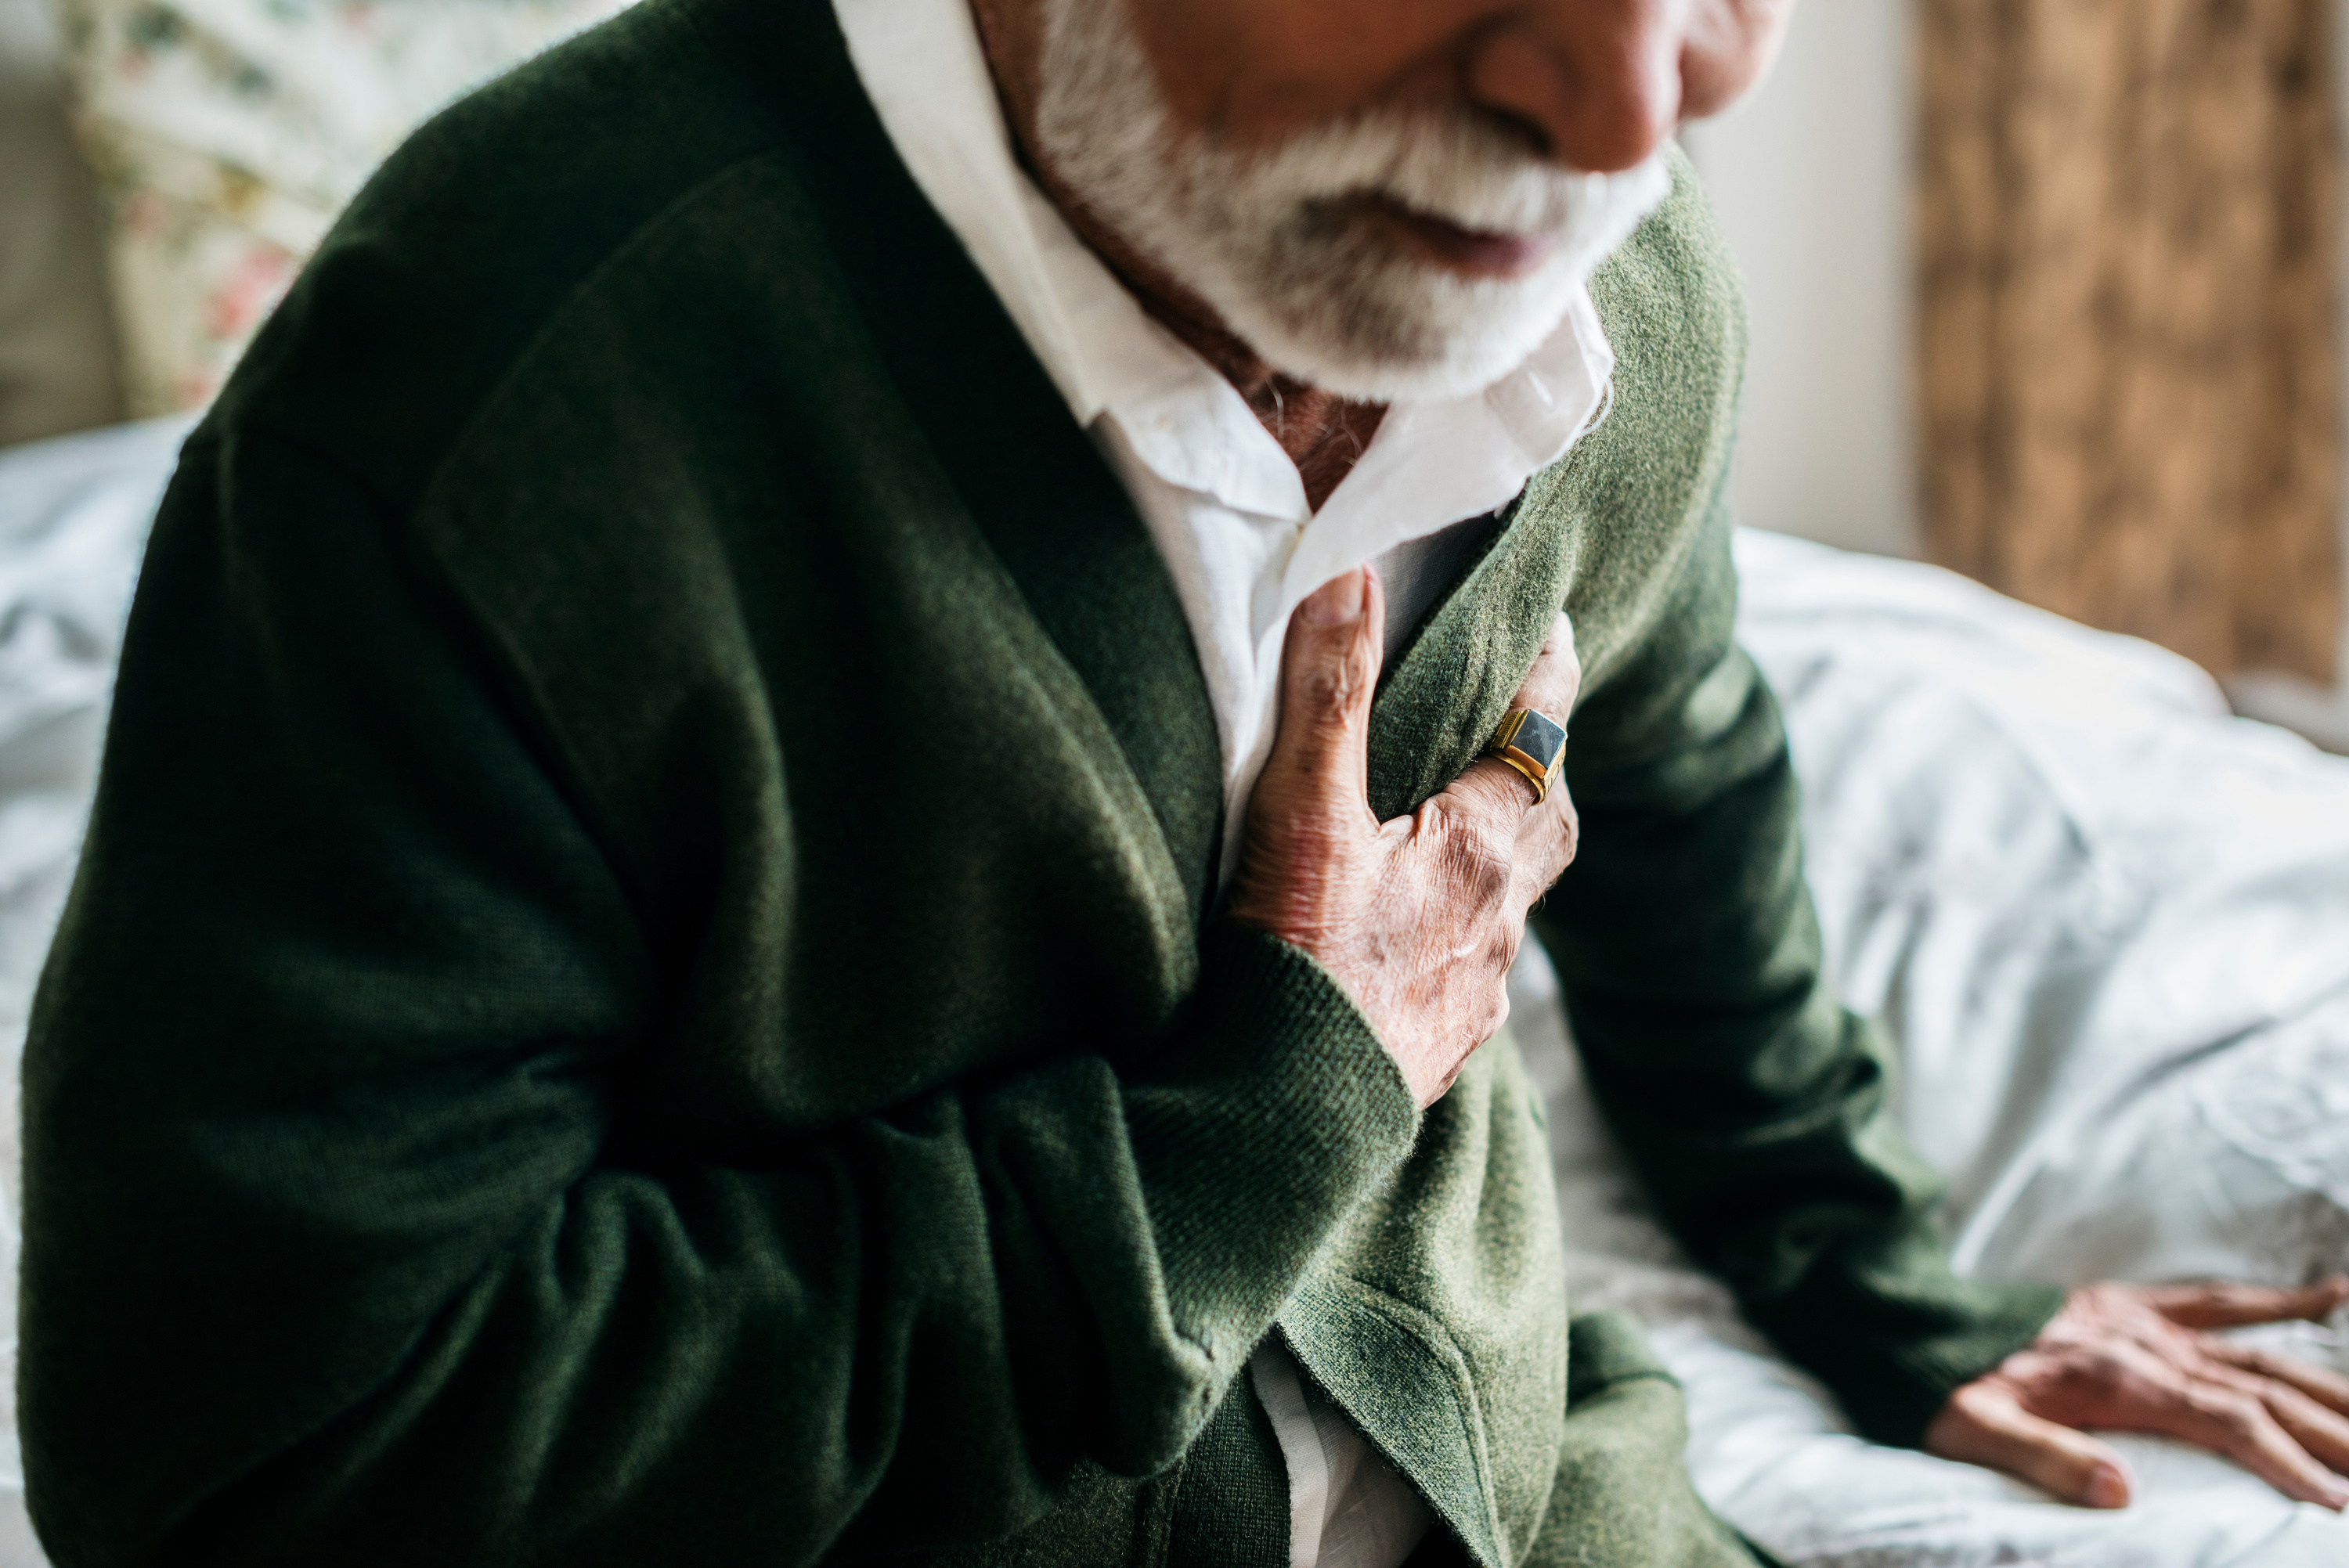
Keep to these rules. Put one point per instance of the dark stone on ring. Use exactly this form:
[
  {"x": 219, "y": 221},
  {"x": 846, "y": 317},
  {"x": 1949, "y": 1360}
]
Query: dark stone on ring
[{"x": 1532, "y": 743}]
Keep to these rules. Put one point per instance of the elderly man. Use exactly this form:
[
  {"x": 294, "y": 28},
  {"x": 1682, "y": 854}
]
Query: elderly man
[{"x": 820, "y": 788}]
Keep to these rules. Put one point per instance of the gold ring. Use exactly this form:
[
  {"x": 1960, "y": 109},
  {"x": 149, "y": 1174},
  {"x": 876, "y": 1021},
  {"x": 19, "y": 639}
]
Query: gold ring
[{"x": 1532, "y": 743}]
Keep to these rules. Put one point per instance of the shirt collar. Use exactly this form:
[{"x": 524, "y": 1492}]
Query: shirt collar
[{"x": 922, "y": 64}]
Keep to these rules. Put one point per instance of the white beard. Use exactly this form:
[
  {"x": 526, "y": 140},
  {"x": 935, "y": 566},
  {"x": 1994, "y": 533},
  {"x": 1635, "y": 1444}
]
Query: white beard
[{"x": 1271, "y": 242}]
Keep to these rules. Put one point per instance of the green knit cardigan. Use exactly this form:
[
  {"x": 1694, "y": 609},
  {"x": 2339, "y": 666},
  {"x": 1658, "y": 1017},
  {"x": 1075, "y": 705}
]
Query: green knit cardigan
[{"x": 644, "y": 987}]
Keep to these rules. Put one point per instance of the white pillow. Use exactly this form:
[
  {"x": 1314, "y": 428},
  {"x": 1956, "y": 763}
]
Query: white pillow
[{"x": 228, "y": 133}]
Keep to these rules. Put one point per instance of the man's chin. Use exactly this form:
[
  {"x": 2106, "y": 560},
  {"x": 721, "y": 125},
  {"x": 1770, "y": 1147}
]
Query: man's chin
[{"x": 1385, "y": 349}]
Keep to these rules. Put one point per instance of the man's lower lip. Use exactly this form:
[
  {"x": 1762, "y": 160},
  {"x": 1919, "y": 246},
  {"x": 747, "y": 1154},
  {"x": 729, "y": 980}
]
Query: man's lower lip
[{"x": 1479, "y": 255}]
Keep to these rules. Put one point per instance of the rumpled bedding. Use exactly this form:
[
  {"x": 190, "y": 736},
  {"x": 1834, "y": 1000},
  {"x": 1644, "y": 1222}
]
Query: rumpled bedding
[
  {"x": 73, "y": 520},
  {"x": 2107, "y": 925}
]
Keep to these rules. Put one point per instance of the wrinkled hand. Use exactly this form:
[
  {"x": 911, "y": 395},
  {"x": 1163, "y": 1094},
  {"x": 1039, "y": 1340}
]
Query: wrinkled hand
[
  {"x": 1420, "y": 918},
  {"x": 2134, "y": 1359}
]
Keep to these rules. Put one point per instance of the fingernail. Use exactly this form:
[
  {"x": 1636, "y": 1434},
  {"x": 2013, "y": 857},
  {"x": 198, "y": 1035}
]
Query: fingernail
[
  {"x": 2108, "y": 1487},
  {"x": 1339, "y": 602}
]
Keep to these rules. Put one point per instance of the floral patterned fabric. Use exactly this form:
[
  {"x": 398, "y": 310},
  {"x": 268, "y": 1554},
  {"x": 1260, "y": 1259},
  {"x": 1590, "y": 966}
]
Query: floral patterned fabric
[{"x": 226, "y": 134}]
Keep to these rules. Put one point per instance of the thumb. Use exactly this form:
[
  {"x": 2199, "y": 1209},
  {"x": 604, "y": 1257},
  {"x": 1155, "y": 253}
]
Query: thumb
[
  {"x": 1328, "y": 673},
  {"x": 1985, "y": 1424}
]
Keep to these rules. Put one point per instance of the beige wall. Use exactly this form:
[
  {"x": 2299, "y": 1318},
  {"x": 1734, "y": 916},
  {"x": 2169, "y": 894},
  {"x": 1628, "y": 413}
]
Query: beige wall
[{"x": 1809, "y": 177}]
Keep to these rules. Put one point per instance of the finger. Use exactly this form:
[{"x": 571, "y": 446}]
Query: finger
[
  {"x": 2237, "y": 1424},
  {"x": 1547, "y": 837},
  {"x": 1328, "y": 673},
  {"x": 1555, "y": 680},
  {"x": 1545, "y": 844},
  {"x": 2322, "y": 1384},
  {"x": 1493, "y": 796},
  {"x": 1984, "y": 1424},
  {"x": 2228, "y": 1305},
  {"x": 1497, "y": 794},
  {"x": 2322, "y": 1433}
]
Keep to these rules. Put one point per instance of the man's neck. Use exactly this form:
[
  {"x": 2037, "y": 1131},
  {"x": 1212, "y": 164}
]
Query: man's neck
[{"x": 1322, "y": 433}]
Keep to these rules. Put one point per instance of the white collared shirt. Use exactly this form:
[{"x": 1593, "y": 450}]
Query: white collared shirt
[{"x": 1228, "y": 512}]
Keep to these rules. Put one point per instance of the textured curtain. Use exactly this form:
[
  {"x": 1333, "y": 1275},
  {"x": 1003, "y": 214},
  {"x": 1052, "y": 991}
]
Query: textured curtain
[{"x": 2128, "y": 232}]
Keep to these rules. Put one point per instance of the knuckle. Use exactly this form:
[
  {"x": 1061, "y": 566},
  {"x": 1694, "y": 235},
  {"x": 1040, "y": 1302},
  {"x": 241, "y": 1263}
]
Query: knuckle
[
  {"x": 2101, "y": 1373},
  {"x": 1507, "y": 937},
  {"x": 2084, "y": 1380},
  {"x": 2289, "y": 1405},
  {"x": 1568, "y": 838},
  {"x": 2104, "y": 1299},
  {"x": 2236, "y": 1412},
  {"x": 1490, "y": 861},
  {"x": 1326, "y": 687},
  {"x": 1544, "y": 690},
  {"x": 1478, "y": 854},
  {"x": 1513, "y": 939},
  {"x": 1444, "y": 814},
  {"x": 1978, "y": 1401}
]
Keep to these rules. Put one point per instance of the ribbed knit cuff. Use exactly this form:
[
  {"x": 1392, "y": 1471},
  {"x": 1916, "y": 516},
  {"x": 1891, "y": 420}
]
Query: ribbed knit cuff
[
  {"x": 1999, "y": 1320},
  {"x": 1894, "y": 1342},
  {"x": 1278, "y": 1115}
]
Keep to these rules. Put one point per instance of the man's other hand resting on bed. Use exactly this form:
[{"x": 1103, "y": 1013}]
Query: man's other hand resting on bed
[{"x": 2141, "y": 1358}]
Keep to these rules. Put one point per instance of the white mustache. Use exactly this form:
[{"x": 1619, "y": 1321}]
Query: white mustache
[
  {"x": 1263, "y": 236},
  {"x": 1454, "y": 166}
]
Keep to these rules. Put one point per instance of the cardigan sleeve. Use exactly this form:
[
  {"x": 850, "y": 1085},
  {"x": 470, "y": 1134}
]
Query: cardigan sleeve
[
  {"x": 1754, "y": 1104},
  {"x": 326, "y": 1259}
]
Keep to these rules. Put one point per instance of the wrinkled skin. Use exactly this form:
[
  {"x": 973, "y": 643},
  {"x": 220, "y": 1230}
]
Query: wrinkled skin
[
  {"x": 2139, "y": 1358},
  {"x": 1419, "y": 918},
  {"x": 1597, "y": 84}
]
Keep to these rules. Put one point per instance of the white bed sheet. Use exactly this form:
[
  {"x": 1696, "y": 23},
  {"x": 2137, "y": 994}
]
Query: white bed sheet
[
  {"x": 2108, "y": 924},
  {"x": 2108, "y": 928},
  {"x": 73, "y": 519}
]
